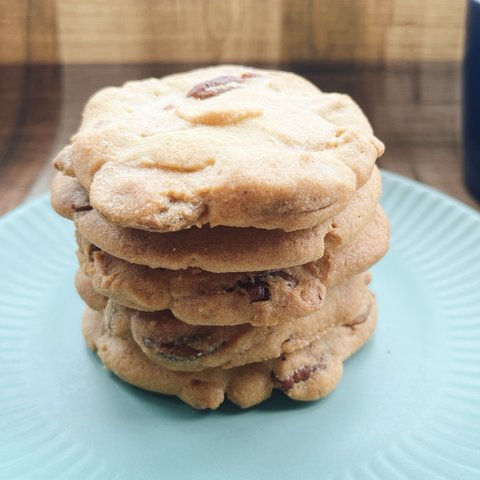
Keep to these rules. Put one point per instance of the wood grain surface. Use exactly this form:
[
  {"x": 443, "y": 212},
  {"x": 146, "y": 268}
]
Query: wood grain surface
[
  {"x": 415, "y": 110},
  {"x": 214, "y": 31}
]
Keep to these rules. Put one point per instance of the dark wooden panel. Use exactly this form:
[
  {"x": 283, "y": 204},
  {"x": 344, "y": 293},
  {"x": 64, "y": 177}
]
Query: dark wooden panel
[{"x": 29, "y": 124}]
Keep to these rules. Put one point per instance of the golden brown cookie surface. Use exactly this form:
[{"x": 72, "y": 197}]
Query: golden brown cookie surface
[
  {"x": 179, "y": 346},
  {"x": 220, "y": 249},
  {"x": 261, "y": 298},
  {"x": 167, "y": 154},
  {"x": 306, "y": 374}
]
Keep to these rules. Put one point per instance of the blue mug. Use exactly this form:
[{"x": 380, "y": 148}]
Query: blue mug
[{"x": 471, "y": 101}]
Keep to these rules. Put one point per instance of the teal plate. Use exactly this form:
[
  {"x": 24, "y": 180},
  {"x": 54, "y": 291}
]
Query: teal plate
[{"x": 408, "y": 406}]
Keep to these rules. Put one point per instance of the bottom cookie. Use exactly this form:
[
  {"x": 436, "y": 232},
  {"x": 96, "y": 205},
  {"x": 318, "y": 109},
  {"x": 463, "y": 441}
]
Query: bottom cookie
[{"x": 306, "y": 374}]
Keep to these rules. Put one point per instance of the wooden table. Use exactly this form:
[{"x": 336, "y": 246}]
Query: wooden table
[{"x": 415, "y": 110}]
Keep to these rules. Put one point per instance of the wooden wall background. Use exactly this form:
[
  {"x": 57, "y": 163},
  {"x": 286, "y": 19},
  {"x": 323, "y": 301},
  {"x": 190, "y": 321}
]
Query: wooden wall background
[{"x": 211, "y": 31}]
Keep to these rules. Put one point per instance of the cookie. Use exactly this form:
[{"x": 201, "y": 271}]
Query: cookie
[
  {"x": 226, "y": 145},
  {"x": 88, "y": 294},
  {"x": 260, "y": 298},
  {"x": 220, "y": 249},
  {"x": 306, "y": 374},
  {"x": 179, "y": 346},
  {"x": 346, "y": 225}
]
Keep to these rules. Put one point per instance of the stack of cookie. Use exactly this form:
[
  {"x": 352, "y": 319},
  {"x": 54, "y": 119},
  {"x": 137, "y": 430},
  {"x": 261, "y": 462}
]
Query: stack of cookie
[{"x": 226, "y": 219}]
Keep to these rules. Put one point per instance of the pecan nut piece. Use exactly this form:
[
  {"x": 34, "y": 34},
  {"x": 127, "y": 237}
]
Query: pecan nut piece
[
  {"x": 299, "y": 375},
  {"x": 257, "y": 288},
  {"x": 188, "y": 347},
  {"x": 218, "y": 85},
  {"x": 165, "y": 339},
  {"x": 215, "y": 86}
]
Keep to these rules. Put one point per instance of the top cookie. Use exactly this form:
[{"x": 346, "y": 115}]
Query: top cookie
[{"x": 226, "y": 145}]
